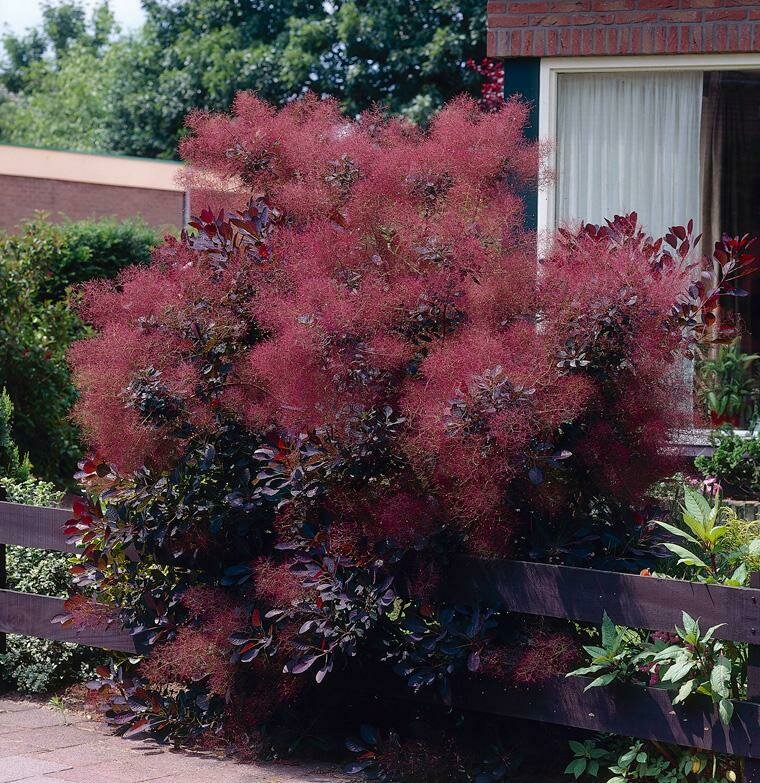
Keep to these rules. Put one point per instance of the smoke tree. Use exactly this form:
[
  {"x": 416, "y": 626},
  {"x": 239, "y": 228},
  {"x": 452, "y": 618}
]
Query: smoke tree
[{"x": 350, "y": 368}]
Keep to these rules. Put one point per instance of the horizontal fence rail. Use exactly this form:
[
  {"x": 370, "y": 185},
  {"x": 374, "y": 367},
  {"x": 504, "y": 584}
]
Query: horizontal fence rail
[
  {"x": 35, "y": 527},
  {"x": 584, "y": 595},
  {"x": 38, "y": 527},
  {"x": 32, "y": 615},
  {"x": 529, "y": 588},
  {"x": 626, "y": 709}
]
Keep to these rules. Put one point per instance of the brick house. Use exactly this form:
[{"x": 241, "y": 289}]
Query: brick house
[
  {"x": 649, "y": 105},
  {"x": 78, "y": 185}
]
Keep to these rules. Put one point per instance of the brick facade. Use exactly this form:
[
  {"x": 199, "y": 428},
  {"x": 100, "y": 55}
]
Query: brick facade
[
  {"x": 556, "y": 28},
  {"x": 21, "y": 196}
]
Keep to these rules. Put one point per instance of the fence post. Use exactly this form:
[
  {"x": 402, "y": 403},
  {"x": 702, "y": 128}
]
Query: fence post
[
  {"x": 3, "y": 585},
  {"x": 752, "y": 766}
]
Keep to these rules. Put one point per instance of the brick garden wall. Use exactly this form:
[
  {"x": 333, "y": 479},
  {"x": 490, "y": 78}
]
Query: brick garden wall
[
  {"x": 21, "y": 196},
  {"x": 553, "y": 28}
]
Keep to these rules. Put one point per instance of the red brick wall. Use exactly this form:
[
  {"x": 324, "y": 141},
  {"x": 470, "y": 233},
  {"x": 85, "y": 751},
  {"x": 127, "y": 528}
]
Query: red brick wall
[
  {"x": 21, "y": 196},
  {"x": 551, "y": 28}
]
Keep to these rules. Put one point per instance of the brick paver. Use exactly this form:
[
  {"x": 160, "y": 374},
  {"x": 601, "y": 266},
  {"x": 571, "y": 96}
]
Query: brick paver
[{"x": 39, "y": 744}]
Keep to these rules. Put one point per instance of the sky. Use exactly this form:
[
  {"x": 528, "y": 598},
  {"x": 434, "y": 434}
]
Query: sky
[{"x": 17, "y": 15}]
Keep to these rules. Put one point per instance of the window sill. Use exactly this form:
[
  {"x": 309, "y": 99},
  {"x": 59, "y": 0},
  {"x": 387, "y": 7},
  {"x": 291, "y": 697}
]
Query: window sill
[{"x": 695, "y": 442}]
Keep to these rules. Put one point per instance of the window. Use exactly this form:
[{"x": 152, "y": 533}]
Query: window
[{"x": 672, "y": 138}]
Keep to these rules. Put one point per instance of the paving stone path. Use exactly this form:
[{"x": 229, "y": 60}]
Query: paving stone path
[{"x": 39, "y": 744}]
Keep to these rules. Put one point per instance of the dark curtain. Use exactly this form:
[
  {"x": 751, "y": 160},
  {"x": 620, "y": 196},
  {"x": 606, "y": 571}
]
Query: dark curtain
[{"x": 731, "y": 177}]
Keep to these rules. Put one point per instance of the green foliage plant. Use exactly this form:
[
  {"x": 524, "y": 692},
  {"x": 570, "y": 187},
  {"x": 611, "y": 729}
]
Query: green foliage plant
[
  {"x": 693, "y": 662},
  {"x": 717, "y": 549},
  {"x": 708, "y": 553},
  {"x": 610, "y": 759},
  {"x": 726, "y": 384},
  {"x": 734, "y": 462},
  {"x": 12, "y": 465}
]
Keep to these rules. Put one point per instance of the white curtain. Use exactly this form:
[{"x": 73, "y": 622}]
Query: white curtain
[{"x": 629, "y": 142}]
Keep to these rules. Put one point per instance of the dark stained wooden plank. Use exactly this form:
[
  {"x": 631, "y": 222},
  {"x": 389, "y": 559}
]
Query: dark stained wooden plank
[
  {"x": 584, "y": 594},
  {"x": 628, "y": 710},
  {"x": 752, "y": 766},
  {"x": 625, "y": 709},
  {"x": 31, "y": 615},
  {"x": 36, "y": 527}
]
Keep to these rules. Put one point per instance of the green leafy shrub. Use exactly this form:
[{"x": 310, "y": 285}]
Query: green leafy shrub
[
  {"x": 79, "y": 250},
  {"x": 735, "y": 462},
  {"x": 620, "y": 759},
  {"x": 744, "y": 535},
  {"x": 711, "y": 546},
  {"x": 691, "y": 662},
  {"x": 37, "y": 325},
  {"x": 12, "y": 465}
]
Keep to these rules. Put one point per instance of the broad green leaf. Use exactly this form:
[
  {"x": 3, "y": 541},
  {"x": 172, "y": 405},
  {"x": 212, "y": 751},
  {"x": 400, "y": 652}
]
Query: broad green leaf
[
  {"x": 668, "y": 652},
  {"x": 710, "y": 631},
  {"x": 584, "y": 670},
  {"x": 609, "y": 632},
  {"x": 576, "y": 768},
  {"x": 695, "y": 525},
  {"x": 713, "y": 517},
  {"x": 696, "y": 504},
  {"x": 690, "y": 625},
  {"x": 629, "y": 756},
  {"x": 753, "y": 548},
  {"x": 678, "y": 671},
  {"x": 604, "y": 679},
  {"x": 726, "y": 711},
  {"x": 740, "y": 575},
  {"x": 596, "y": 652},
  {"x": 687, "y": 558},
  {"x": 684, "y": 692},
  {"x": 676, "y": 531},
  {"x": 717, "y": 533},
  {"x": 577, "y": 747},
  {"x": 720, "y": 677}
]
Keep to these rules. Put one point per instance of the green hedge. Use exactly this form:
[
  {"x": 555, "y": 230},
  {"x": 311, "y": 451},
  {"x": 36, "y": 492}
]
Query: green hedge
[{"x": 38, "y": 266}]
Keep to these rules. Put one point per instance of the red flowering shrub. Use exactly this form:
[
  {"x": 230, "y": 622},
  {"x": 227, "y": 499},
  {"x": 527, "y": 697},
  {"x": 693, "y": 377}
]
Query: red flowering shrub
[{"x": 351, "y": 366}]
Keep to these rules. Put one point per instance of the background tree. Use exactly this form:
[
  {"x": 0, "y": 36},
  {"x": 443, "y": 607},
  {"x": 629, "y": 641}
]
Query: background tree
[
  {"x": 72, "y": 83},
  {"x": 53, "y": 83}
]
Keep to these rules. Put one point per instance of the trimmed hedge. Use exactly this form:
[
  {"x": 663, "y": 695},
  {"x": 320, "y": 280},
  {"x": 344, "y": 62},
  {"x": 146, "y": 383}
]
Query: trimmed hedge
[{"x": 38, "y": 266}]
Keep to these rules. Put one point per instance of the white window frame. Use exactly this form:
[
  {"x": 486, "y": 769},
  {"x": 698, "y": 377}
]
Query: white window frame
[
  {"x": 551, "y": 67},
  {"x": 695, "y": 441}
]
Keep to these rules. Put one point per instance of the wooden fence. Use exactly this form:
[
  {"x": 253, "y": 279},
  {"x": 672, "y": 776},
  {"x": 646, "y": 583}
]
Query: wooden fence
[{"x": 530, "y": 588}]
